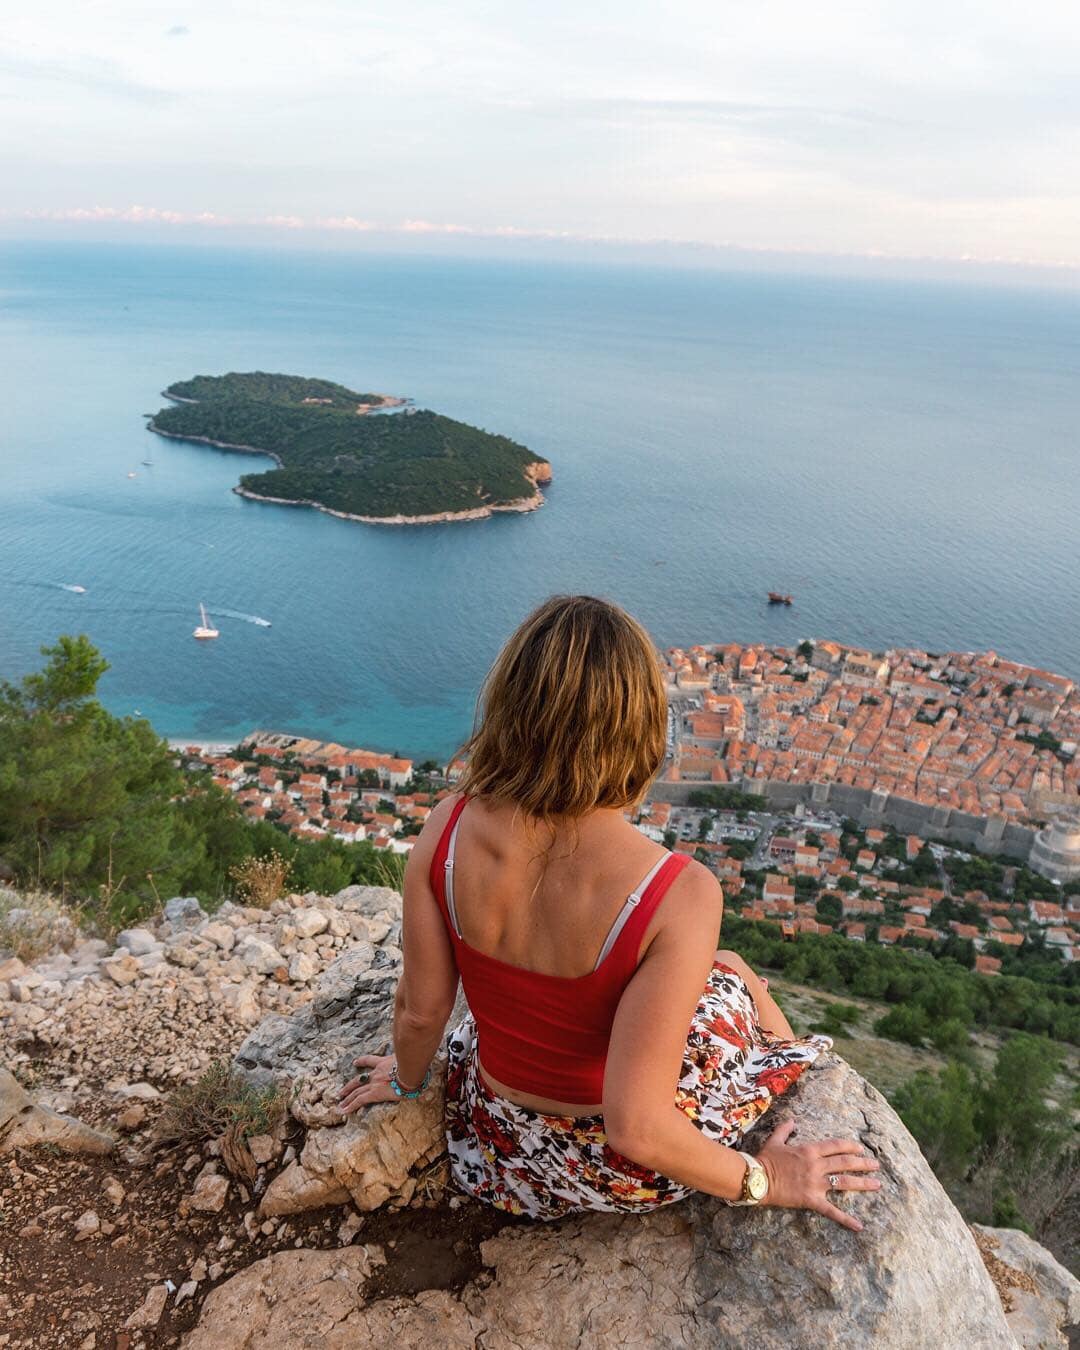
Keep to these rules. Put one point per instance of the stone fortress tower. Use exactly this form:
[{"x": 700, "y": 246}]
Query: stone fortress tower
[{"x": 1055, "y": 854}]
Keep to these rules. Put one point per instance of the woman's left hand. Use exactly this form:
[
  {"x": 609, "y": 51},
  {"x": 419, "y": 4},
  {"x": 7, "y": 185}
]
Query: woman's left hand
[{"x": 370, "y": 1086}]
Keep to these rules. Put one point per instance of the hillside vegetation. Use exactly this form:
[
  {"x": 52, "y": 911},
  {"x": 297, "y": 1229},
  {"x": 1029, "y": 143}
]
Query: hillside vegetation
[
  {"x": 329, "y": 454},
  {"x": 95, "y": 808}
]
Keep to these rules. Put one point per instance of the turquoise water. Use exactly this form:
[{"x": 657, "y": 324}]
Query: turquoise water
[{"x": 903, "y": 458}]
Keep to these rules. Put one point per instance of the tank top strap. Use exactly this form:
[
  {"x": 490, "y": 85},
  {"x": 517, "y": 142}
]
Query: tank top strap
[
  {"x": 633, "y": 930},
  {"x": 441, "y": 861}
]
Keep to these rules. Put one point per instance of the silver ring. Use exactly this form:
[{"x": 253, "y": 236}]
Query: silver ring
[{"x": 834, "y": 1181}]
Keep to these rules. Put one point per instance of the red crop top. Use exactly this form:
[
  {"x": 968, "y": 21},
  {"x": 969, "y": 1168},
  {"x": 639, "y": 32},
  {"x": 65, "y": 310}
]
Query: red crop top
[{"x": 548, "y": 1035}]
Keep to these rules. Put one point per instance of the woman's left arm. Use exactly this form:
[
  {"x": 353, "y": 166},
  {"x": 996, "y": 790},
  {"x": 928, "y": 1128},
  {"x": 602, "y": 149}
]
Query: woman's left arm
[{"x": 426, "y": 990}]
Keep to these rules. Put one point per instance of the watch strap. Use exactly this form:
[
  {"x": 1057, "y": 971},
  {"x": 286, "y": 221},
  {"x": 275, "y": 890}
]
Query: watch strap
[{"x": 752, "y": 1164}]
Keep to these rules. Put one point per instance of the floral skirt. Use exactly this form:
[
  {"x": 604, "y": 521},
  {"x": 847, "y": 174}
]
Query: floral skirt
[{"x": 546, "y": 1166}]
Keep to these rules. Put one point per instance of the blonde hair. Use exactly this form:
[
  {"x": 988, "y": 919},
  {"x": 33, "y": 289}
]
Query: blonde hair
[{"x": 573, "y": 714}]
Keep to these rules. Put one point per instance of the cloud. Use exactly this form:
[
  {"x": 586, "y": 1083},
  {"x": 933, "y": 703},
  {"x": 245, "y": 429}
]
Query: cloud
[
  {"x": 177, "y": 30},
  {"x": 726, "y": 111},
  {"x": 349, "y": 223},
  {"x": 128, "y": 215},
  {"x": 98, "y": 76}
]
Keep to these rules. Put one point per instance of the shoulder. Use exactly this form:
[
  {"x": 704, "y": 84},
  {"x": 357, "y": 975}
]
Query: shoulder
[
  {"x": 697, "y": 887},
  {"x": 427, "y": 841},
  {"x": 441, "y": 813},
  {"x": 692, "y": 907}
]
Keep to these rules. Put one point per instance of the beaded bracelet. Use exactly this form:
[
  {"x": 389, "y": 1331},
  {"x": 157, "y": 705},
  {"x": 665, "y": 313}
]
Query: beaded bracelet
[{"x": 407, "y": 1094}]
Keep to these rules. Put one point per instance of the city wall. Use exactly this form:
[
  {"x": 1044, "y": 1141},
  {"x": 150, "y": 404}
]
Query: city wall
[{"x": 869, "y": 807}]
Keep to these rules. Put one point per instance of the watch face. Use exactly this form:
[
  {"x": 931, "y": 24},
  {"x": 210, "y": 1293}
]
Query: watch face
[{"x": 757, "y": 1183}]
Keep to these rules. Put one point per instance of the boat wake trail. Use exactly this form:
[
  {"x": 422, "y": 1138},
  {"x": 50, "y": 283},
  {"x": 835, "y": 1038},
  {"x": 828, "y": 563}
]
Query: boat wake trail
[{"x": 236, "y": 614}]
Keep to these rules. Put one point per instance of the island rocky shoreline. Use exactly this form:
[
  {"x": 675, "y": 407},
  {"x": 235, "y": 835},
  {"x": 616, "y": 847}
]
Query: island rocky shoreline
[
  {"x": 437, "y": 518},
  {"x": 538, "y": 472}
]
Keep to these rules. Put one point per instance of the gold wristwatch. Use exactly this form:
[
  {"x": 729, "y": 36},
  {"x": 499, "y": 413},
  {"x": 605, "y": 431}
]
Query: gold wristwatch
[{"x": 755, "y": 1182}]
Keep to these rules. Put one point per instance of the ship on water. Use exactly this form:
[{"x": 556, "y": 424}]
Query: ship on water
[
  {"x": 775, "y": 598},
  {"x": 205, "y": 630}
]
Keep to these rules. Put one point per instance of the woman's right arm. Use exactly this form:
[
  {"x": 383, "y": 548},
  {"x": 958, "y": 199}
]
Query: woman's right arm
[{"x": 644, "y": 1063}]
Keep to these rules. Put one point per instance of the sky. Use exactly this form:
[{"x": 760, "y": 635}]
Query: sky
[{"x": 910, "y": 130}]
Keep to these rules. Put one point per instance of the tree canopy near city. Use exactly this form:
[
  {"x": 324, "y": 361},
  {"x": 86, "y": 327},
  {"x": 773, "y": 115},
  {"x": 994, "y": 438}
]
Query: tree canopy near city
[
  {"x": 95, "y": 808},
  {"x": 927, "y": 990},
  {"x": 407, "y": 463}
]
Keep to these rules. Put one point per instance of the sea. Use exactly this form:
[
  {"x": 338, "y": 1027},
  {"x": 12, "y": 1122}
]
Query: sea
[{"x": 902, "y": 457}]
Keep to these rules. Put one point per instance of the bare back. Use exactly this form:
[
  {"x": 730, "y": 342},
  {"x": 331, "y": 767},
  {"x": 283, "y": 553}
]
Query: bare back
[
  {"x": 578, "y": 890},
  {"x": 553, "y": 915}
]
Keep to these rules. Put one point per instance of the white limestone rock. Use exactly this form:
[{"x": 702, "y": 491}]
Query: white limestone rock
[
  {"x": 259, "y": 956},
  {"x": 138, "y": 941},
  {"x": 23, "y": 1124},
  {"x": 1041, "y": 1319},
  {"x": 222, "y": 935},
  {"x": 183, "y": 912},
  {"x": 309, "y": 922}
]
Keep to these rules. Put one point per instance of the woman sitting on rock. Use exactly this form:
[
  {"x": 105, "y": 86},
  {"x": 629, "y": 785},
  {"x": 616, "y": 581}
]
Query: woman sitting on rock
[{"x": 612, "y": 1059}]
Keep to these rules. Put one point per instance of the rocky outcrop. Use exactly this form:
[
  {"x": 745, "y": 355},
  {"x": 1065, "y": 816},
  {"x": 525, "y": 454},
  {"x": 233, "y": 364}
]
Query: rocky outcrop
[
  {"x": 688, "y": 1277},
  {"x": 294, "y": 1299},
  {"x": 697, "y": 1274},
  {"x": 24, "y": 1123},
  {"x": 1041, "y": 1298},
  {"x": 182, "y": 990},
  {"x": 373, "y": 1157}
]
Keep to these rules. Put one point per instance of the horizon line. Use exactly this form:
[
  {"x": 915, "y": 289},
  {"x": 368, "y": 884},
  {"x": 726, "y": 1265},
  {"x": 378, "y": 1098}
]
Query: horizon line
[{"x": 136, "y": 216}]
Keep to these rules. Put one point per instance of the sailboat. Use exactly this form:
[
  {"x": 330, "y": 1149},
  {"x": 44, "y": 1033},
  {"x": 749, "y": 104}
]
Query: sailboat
[{"x": 204, "y": 629}]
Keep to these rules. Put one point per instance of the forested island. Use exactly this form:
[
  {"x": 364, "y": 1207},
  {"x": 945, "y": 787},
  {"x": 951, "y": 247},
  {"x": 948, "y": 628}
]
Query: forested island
[{"x": 411, "y": 467}]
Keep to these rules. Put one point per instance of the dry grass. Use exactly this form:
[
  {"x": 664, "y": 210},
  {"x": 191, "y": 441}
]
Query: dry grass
[
  {"x": 390, "y": 870},
  {"x": 220, "y": 1102},
  {"x": 261, "y": 881},
  {"x": 34, "y": 924}
]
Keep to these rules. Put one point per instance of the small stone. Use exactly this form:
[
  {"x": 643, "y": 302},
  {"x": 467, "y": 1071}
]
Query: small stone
[
  {"x": 222, "y": 935},
  {"x": 186, "y": 1291},
  {"x": 183, "y": 911},
  {"x": 131, "y": 1117},
  {"x": 138, "y": 941},
  {"x": 29, "y": 1230},
  {"x": 197, "y": 1273},
  {"x": 123, "y": 970},
  {"x": 87, "y": 1225},
  {"x": 209, "y": 1193},
  {"x": 264, "y": 1148},
  {"x": 241, "y": 1003},
  {"x": 149, "y": 1314},
  {"x": 142, "y": 1092},
  {"x": 258, "y": 955},
  {"x": 309, "y": 922},
  {"x": 302, "y": 968},
  {"x": 180, "y": 953},
  {"x": 114, "y": 1192}
]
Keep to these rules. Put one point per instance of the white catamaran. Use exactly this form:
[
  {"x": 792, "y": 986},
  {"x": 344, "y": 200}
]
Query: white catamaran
[{"x": 204, "y": 629}]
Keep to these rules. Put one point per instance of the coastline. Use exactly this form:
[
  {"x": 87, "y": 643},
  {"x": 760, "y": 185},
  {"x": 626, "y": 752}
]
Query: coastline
[
  {"x": 218, "y": 445},
  {"x": 210, "y": 747},
  {"x": 538, "y": 472},
  {"x": 438, "y": 518},
  {"x": 362, "y": 409}
]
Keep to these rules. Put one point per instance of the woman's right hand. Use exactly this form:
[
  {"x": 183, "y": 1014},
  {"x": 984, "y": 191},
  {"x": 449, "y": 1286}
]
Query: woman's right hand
[{"x": 801, "y": 1175}]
